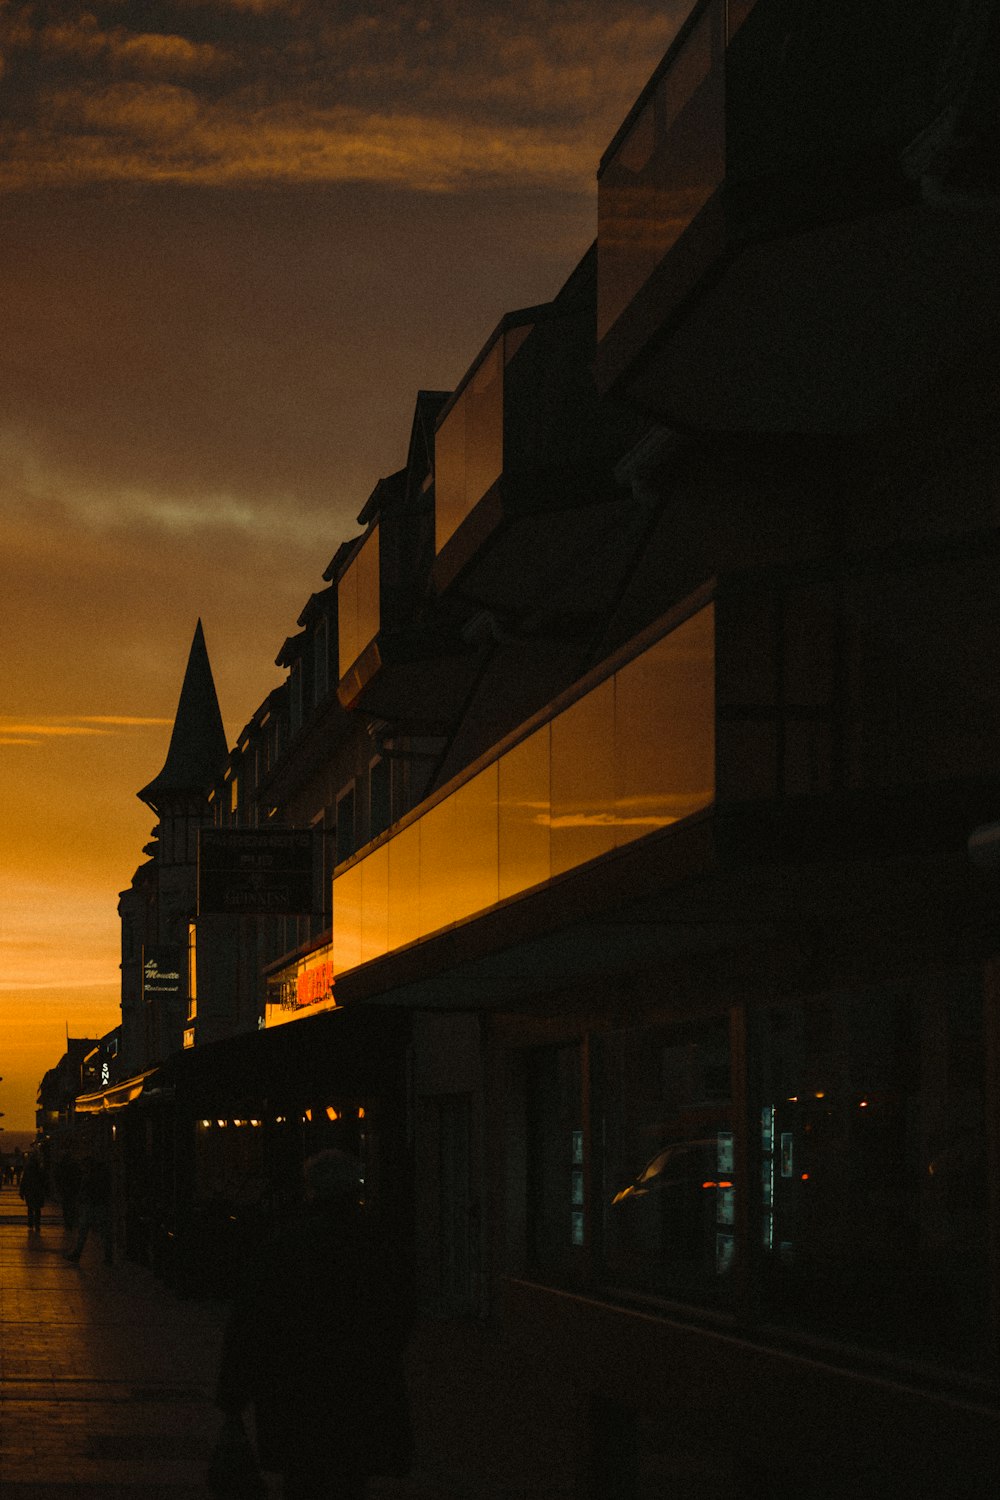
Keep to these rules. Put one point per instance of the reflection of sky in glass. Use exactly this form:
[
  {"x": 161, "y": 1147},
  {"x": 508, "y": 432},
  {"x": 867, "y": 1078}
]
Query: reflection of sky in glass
[
  {"x": 664, "y": 169},
  {"x": 358, "y": 603},
  {"x": 634, "y": 754},
  {"x": 468, "y": 446}
]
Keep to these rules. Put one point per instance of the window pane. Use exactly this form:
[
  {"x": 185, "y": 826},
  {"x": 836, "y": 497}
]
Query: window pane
[
  {"x": 524, "y": 815},
  {"x": 556, "y": 1208},
  {"x": 347, "y": 619},
  {"x": 583, "y": 779},
  {"x": 358, "y": 604},
  {"x": 474, "y": 855},
  {"x": 669, "y": 1187},
  {"x": 665, "y": 729},
  {"x": 449, "y": 475},
  {"x": 873, "y": 1191},
  {"x": 404, "y": 887},
  {"x": 468, "y": 446},
  {"x": 439, "y": 835},
  {"x": 664, "y": 170},
  {"x": 375, "y": 904},
  {"x": 347, "y": 919},
  {"x": 483, "y": 398}
]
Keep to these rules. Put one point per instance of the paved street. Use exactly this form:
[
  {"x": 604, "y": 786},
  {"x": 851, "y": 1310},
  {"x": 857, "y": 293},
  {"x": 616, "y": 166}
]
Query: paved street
[
  {"x": 104, "y": 1376},
  {"x": 106, "y": 1379}
]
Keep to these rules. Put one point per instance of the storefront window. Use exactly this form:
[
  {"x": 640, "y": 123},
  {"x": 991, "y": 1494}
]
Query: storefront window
[
  {"x": 556, "y": 1197},
  {"x": 669, "y": 1167},
  {"x": 872, "y": 1200}
]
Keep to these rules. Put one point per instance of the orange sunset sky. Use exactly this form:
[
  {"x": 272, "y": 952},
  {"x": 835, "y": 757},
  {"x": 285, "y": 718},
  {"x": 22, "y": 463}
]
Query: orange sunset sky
[{"x": 236, "y": 236}]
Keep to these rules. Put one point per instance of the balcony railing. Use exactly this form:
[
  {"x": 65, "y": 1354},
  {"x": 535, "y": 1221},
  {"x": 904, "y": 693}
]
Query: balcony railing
[
  {"x": 632, "y": 754},
  {"x": 668, "y": 161}
]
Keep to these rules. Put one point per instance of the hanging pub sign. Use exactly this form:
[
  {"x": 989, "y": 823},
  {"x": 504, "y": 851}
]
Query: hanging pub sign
[
  {"x": 255, "y": 872},
  {"x": 162, "y": 971}
]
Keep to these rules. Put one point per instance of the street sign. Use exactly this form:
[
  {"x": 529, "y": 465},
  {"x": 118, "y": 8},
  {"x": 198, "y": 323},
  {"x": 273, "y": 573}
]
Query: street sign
[{"x": 255, "y": 871}]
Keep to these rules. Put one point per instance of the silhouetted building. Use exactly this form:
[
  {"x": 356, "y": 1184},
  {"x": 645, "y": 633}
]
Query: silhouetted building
[
  {"x": 642, "y": 733},
  {"x": 74, "y": 1073},
  {"x": 162, "y": 899}
]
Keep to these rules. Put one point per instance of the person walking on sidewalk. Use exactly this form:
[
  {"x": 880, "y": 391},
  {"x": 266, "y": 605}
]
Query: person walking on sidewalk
[
  {"x": 315, "y": 1344},
  {"x": 66, "y": 1176},
  {"x": 34, "y": 1188},
  {"x": 95, "y": 1207}
]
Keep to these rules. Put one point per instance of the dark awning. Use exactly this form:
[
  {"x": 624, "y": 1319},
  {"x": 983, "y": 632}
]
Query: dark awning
[{"x": 349, "y": 1054}]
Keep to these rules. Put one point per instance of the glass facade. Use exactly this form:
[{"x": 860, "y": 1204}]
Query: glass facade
[
  {"x": 872, "y": 1202},
  {"x": 358, "y": 603},
  {"x": 669, "y": 1199},
  {"x": 556, "y": 1208},
  {"x": 666, "y": 167},
  {"x": 861, "y": 1126},
  {"x": 634, "y": 754},
  {"x": 468, "y": 445}
]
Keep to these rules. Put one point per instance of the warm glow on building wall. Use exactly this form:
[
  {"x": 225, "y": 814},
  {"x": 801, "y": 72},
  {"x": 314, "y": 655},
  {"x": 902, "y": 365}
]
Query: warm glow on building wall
[{"x": 632, "y": 754}]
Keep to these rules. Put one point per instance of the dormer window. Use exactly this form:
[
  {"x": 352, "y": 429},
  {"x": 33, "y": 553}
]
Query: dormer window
[
  {"x": 469, "y": 443},
  {"x": 358, "y": 602}
]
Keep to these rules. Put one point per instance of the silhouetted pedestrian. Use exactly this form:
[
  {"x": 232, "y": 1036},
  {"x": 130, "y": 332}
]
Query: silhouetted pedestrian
[
  {"x": 315, "y": 1344},
  {"x": 66, "y": 1178},
  {"x": 95, "y": 1207},
  {"x": 34, "y": 1188}
]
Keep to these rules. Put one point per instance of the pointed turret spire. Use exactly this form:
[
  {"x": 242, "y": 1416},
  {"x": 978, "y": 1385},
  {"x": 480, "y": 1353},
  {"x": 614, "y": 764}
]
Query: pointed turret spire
[{"x": 198, "y": 741}]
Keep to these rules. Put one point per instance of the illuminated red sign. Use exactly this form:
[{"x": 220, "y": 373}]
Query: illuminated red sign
[{"x": 313, "y": 985}]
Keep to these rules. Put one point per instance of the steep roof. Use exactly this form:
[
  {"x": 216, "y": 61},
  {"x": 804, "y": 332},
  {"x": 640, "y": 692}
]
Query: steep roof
[{"x": 198, "y": 741}]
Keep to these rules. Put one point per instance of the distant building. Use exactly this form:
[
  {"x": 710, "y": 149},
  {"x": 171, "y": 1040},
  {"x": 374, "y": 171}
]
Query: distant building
[
  {"x": 76, "y": 1072},
  {"x": 161, "y": 901}
]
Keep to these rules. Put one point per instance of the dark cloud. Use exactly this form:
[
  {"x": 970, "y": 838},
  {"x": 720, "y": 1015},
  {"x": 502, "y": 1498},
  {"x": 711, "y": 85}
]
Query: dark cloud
[{"x": 438, "y": 97}]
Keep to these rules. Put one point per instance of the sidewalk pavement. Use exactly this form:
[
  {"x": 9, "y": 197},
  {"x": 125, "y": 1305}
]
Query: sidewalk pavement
[{"x": 106, "y": 1380}]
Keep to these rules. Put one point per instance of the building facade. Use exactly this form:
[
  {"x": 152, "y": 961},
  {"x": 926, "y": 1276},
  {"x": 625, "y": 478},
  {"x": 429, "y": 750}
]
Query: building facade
[{"x": 642, "y": 733}]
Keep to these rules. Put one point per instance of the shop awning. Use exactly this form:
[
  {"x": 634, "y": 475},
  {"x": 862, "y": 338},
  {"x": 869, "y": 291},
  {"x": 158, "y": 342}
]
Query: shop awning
[{"x": 115, "y": 1096}]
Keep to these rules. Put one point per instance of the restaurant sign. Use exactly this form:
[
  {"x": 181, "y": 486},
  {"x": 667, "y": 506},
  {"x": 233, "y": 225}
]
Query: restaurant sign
[
  {"x": 162, "y": 968},
  {"x": 255, "y": 872}
]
